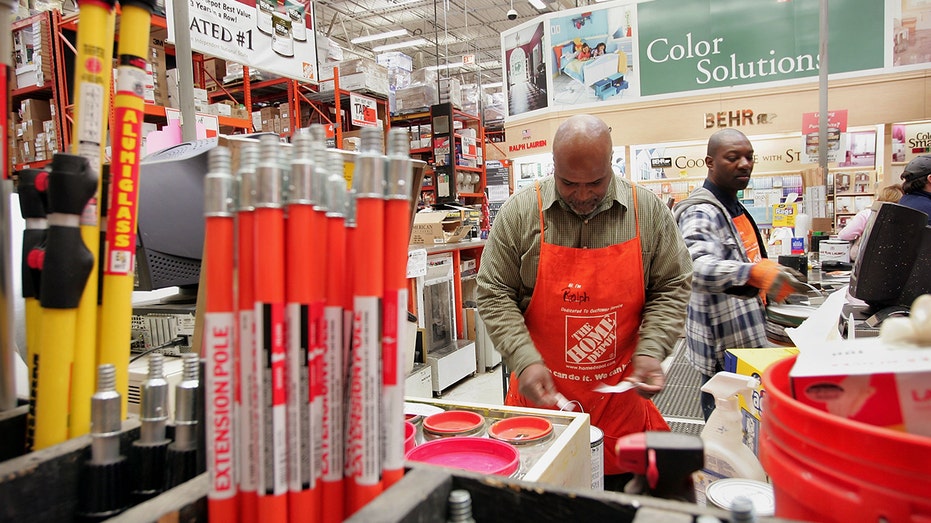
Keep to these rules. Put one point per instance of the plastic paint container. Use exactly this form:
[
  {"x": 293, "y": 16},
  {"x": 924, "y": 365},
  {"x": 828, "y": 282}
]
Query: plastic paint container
[
  {"x": 597, "y": 439},
  {"x": 721, "y": 493},
  {"x": 483, "y": 455},
  {"x": 410, "y": 436},
  {"x": 453, "y": 423}
]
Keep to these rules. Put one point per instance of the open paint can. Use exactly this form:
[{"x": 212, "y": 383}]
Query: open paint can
[
  {"x": 410, "y": 436},
  {"x": 597, "y": 438},
  {"x": 483, "y": 455},
  {"x": 529, "y": 434},
  {"x": 452, "y": 423},
  {"x": 521, "y": 430}
]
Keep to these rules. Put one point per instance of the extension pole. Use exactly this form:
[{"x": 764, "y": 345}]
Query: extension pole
[
  {"x": 394, "y": 305},
  {"x": 7, "y": 335},
  {"x": 364, "y": 452},
  {"x": 270, "y": 334},
  {"x": 128, "y": 107},
  {"x": 334, "y": 367},
  {"x": 92, "y": 81},
  {"x": 65, "y": 269},
  {"x": 219, "y": 333}
]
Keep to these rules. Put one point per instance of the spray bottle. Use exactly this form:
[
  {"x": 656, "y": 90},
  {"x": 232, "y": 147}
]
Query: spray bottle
[{"x": 726, "y": 456}]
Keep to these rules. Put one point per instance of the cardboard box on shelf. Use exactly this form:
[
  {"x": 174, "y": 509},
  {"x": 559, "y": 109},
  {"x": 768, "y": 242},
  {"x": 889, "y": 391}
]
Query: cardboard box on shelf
[
  {"x": 437, "y": 227},
  {"x": 32, "y": 109},
  {"x": 753, "y": 362}
]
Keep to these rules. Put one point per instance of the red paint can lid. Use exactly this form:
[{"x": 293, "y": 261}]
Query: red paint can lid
[
  {"x": 521, "y": 429},
  {"x": 453, "y": 422}
]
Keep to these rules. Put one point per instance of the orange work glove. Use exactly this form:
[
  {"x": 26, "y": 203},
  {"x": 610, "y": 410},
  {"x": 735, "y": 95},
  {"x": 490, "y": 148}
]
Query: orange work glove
[{"x": 777, "y": 281}]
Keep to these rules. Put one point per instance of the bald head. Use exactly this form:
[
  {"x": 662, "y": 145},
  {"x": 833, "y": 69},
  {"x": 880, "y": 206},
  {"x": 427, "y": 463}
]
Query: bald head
[
  {"x": 582, "y": 131},
  {"x": 722, "y": 137},
  {"x": 582, "y": 162},
  {"x": 729, "y": 161}
]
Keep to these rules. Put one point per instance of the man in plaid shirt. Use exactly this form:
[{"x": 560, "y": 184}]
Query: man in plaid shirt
[{"x": 732, "y": 278}]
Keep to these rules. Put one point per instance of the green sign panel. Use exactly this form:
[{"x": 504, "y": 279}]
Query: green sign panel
[{"x": 705, "y": 44}]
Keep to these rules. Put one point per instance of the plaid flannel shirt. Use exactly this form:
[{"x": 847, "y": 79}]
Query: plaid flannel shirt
[{"x": 723, "y": 312}]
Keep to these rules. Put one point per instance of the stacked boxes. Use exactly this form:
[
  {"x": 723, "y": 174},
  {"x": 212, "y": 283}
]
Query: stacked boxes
[
  {"x": 158, "y": 68},
  {"x": 32, "y": 54},
  {"x": 273, "y": 119},
  {"x": 419, "y": 95},
  {"x": 358, "y": 74},
  {"x": 35, "y": 137},
  {"x": 451, "y": 92}
]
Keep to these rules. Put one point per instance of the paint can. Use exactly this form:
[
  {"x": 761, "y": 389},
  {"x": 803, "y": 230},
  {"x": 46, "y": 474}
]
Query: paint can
[
  {"x": 410, "y": 436},
  {"x": 453, "y": 423},
  {"x": 529, "y": 434},
  {"x": 482, "y": 455},
  {"x": 597, "y": 439}
]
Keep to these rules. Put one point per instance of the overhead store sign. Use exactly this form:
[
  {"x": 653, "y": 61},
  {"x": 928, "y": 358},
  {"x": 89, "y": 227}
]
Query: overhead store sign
[
  {"x": 704, "y": 44},
  {"x": 261, "y": 34}
]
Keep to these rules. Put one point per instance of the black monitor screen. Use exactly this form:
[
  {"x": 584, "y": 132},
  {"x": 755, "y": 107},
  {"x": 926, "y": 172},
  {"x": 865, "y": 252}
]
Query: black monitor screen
[
  {"x": 893, "y": 266},
  {"x": 170, "y": 240}
]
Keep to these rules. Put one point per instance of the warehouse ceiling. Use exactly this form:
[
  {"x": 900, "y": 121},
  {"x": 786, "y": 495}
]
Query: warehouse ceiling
[{"x": 452, "y": 28}]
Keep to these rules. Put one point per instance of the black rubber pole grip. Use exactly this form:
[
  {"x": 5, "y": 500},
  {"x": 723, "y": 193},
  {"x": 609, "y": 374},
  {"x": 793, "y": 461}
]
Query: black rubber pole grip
[
  {"x": 32, "y": 201},
  {"x": 68, "y": 262},
  {"x": 67, "y": 265},
  {"x": 71, "y": 184}
]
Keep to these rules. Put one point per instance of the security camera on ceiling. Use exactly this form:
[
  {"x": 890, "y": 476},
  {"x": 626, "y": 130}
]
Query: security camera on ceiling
[{"x": 512, "y": 14}]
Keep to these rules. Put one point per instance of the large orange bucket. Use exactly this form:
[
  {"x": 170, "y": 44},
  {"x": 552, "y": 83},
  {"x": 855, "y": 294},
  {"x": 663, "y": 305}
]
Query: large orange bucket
[{"x": 827, "y": 468}]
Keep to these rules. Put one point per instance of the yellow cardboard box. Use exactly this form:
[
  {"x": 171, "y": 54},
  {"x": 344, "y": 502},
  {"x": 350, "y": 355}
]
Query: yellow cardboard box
[{"x": 753, "y": 362}]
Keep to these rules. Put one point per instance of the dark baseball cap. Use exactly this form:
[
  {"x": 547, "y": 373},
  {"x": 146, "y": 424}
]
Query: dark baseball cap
[{"x": 919, "y": 167}]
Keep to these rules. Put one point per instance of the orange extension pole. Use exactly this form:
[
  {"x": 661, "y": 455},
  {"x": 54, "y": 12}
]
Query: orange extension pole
[
  {"x": 219, "y": 336},
  {"x": 248, "y": 453},
  {"x": 304, "y": 268},
  {"x": 270, "y": 333},
  {"x": 394, "y": 306},
  {"x": 368, "y": 282},
  {"x": 334, "y": 367}
]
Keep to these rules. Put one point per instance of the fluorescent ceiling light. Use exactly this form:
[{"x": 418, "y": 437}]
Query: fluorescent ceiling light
[
  {"x": 438, "y": 67},
  {"x": 538, "y": 4},
  {"x": 399, "y": 45},
  {"x": 492, "y": 85},
  {"x": 379, "y": 36}
]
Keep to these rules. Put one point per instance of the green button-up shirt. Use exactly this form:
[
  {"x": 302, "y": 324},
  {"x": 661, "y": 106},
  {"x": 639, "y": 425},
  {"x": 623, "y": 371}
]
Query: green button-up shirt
[{"x": 508, "y": 270}]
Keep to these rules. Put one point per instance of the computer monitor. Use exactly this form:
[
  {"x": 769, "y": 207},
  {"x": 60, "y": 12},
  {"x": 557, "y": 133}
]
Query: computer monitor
[
  {"x": 170, "y": 237},
  {"x": 893, "y": 266}
]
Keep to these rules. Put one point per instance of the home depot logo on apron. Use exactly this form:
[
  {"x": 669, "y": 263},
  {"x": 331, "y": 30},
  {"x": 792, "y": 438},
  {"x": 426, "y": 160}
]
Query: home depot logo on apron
[{"x": 584, "y": 318}]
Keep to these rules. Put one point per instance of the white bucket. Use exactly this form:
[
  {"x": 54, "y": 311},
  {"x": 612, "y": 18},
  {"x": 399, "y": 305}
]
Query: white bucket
[{"x": 598, "y": 458}]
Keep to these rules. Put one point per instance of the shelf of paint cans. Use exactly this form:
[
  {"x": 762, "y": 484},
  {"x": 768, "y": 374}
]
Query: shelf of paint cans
[{"x": 560, "y": 456}]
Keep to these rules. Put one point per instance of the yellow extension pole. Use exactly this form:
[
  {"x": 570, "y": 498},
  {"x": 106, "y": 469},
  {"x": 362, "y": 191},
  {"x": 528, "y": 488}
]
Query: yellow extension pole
[
  {"x": 66, "y": 266},
  {"x": 93, "y": 72},
  {"x": 128, "y": 108}
]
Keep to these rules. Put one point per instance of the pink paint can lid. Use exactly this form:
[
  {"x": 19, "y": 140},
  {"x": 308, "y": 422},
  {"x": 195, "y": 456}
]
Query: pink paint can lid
[{"x": 483, "y": 455}]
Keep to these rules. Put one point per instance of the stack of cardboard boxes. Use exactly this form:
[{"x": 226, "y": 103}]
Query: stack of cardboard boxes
[
  {"x": 35, "y": 138},
  {"x": 359, "y": 74},
  {"x": 273, "y": 119},
  {"x": 32, "y": 55}
]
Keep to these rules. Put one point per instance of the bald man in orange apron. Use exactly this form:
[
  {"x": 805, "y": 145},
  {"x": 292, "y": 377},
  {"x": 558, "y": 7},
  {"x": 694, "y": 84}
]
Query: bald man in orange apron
[{"x": 584, "y": 280}]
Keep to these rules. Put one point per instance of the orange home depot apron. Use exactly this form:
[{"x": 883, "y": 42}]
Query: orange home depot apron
[{"x": 584, "y": 319}]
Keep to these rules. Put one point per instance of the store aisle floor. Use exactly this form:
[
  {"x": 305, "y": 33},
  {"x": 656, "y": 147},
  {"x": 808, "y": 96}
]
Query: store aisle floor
[{"x": 679, "y": 402}]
